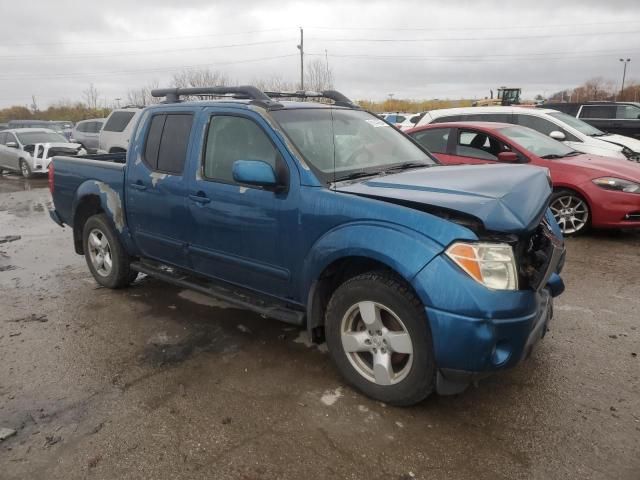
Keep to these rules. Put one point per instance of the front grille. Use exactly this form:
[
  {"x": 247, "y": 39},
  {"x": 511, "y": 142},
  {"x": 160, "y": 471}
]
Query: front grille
[{"x": 535, "y": 254}]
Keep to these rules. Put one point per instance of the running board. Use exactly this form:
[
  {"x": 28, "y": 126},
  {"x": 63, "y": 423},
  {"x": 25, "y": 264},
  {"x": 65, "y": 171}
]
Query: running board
[{"x": 235, "y": 296}]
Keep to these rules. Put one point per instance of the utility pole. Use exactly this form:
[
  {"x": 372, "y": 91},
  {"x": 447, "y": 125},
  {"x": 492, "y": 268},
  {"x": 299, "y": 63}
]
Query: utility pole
[
  {"x": 301, "y": 48},
  {"x": 624, "y": 74}
]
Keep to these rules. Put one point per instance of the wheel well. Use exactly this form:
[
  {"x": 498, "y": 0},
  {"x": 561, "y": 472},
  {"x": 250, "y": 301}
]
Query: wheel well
[
  {"x": 334, "y": 275},
  {"x": 561, "y": 188},
  {"x": 89, "y": 207}
]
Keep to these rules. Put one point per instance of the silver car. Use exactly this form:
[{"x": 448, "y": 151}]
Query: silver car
[
  {"x": 30, "y": 150},
  {"x": 87, "y": 133}
]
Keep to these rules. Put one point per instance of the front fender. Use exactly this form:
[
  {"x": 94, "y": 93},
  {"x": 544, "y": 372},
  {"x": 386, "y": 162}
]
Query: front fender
[{"x": 401, "y": 249}]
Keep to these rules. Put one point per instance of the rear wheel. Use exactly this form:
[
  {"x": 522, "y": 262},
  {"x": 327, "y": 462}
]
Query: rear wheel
[
  {"x": 571, "y": 211},
  {"x": 25, "y": 169},
  {"x": 379, "y": 339},
  {"x": 105, "y": 255}
]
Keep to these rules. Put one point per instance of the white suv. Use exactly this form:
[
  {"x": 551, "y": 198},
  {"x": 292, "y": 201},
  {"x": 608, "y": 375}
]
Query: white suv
[
  {"x": 115, "y": 134},
  {"x": 573, "y": 132}
]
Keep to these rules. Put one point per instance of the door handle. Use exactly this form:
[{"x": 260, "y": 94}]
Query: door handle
[
  {"x": 200, "y": 197},
  {"x": 138, "y": 186}
]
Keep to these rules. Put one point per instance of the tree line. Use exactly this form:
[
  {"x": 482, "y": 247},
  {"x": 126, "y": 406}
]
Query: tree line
[{"x": 599, "y": 89}]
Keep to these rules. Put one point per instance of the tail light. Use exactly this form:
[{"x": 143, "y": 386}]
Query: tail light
[{"x": 51, "y": 185}]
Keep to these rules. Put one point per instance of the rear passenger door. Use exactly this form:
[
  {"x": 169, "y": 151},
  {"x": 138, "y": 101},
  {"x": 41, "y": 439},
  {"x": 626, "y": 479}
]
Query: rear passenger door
[
  {"x": 600, "y": 116},
  {"x": 157, "y": 211}
]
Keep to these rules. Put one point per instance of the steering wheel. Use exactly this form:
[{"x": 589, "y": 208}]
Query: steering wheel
[{"x": 351, "y": 159}]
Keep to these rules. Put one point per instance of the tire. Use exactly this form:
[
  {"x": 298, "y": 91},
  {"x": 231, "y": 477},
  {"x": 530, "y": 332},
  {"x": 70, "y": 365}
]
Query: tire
[
  {"x": 408, "y": 377},
  {"x": 25, "y": 169},
  {"x": 102, "y": 248},
  {"x": 571, "y": 211}
]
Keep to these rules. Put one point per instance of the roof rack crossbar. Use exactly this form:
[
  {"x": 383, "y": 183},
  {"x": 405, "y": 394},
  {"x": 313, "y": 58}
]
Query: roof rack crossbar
[
  {"x": 334, "y": 95},
  {"x": 173, "y": 95}
]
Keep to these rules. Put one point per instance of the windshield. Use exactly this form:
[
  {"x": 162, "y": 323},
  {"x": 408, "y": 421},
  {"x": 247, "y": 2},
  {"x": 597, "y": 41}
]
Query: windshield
[
  {"x": 537, "y": 143},
  {"x": 348, "y": 141},
  {"x": 29, "y": 138},
  {"x": 576, "y": 123}
]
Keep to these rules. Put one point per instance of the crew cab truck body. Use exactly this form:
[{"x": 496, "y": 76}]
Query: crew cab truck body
[{"x": 420, "y": 277}]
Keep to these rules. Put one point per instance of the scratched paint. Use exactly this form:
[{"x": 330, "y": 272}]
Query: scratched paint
[
  {"x": 114, "y": 204},
  {"x": 156, "y": 177}
]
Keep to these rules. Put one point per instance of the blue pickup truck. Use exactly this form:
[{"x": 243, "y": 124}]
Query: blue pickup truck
[{"x": 419, "y": 277}]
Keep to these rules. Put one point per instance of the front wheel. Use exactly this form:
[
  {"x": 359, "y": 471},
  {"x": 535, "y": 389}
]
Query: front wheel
[
  {"x": 106, "y": 257},
  {"x": 571, "y": 212},
  {"x": 379, "y": 339},
  {"x": 25, "y": 169}
]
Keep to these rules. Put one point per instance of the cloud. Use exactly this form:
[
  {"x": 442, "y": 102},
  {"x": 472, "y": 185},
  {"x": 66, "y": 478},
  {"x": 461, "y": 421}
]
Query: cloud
[{"x": 53, "y": 50}]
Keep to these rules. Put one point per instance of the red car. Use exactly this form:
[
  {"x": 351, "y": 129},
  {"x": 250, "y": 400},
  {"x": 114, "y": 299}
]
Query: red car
[{"x": 589, "y": 190}]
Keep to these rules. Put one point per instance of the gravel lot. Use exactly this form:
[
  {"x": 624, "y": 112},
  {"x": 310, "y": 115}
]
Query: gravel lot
[{"x": 158, "y": 382}]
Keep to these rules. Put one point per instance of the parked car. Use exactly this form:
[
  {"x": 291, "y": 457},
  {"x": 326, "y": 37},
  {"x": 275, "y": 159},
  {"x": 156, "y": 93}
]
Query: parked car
[
  {"x": 63, "y": 127},
  {"x": 588, "y": 190},
  {"x": 116, "y": 131},
  {"x": 411, "y": 121},
  {"x": 29, "y": 150},
  {"x": 4, "y": 126},
  {"x": 396, "y": 118},
  {"x": 420, "y": 277},
  {"x": 87, "y": 133},
  {"x": 622, "y": 118},
  {"x": 572, "y": 131}
]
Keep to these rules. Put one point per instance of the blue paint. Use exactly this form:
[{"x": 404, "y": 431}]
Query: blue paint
[{"x": 278, "y": 242}]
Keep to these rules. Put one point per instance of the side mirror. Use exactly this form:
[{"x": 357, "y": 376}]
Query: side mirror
[
  {"x": 254, "y": 172},
  {"x": 11, "y": 145},
  {"x": 508, "y": 157},
  {"x": 558, "y": 135}
]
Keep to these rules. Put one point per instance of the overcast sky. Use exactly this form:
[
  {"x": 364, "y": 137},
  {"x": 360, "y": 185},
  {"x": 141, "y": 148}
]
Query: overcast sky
[{"x": 421, "y": 49}]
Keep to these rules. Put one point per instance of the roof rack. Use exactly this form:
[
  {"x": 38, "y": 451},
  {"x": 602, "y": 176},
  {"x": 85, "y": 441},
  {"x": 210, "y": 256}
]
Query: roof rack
[{"x": 172, "y": 95}]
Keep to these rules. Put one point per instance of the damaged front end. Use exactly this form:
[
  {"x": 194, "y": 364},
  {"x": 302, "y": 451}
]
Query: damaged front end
[{"x": 42, "y": 154}]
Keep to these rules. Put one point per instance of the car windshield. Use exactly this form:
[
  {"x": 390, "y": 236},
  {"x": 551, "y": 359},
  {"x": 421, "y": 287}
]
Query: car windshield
[
  {"x": 582, "y": 127},
  {"x": 537, "y": 143},
  {"x": 29, "y": 138},
  {"x": 342, "y": 143}
]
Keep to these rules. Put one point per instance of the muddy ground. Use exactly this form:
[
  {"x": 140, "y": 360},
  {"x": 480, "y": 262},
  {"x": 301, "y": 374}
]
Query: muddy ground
[{"x": 158, "y": 382}]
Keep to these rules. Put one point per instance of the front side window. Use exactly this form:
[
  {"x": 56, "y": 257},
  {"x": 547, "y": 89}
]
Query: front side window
[
  {"x": 477, "y": 145},
  {"x": 118, "y": 121},
  {"x": 340, "y": 142},
  {"x": 96, "y": 127},
  {"x": 230, "y": 139},
  {"x": 167, "y": 142},
  {"x": 628, "y": 112},
  {"x": 581, "y": 126},
  {"x": 435, "y": 140},
  {"x": 598, "y": 111}
]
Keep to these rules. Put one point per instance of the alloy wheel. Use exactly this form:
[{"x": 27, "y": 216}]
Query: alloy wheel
[
  {"x": 571, "y": 213},
  {"x": 100, "y": 252},
  {"x": 377, "y": 343}
]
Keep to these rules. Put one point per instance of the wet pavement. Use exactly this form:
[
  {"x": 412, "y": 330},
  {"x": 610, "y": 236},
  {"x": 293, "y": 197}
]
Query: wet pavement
[{"x": 158, "y": 382}]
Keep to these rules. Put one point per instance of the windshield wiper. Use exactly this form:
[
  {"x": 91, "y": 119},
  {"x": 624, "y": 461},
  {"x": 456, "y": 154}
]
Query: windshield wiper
[
  {"x": 551, "y": 156},
  {"x": 601, "y": 134},
  {"x": 572, "y": 154},
  {"x": 360, "y": 174},
  {"x": 407, "y": 165}
]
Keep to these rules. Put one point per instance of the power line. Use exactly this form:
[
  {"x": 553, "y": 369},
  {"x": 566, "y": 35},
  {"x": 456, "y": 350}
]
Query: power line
[
  {"x": 141, "y": 52},
  {"x": 144, "y": 70},
  {"x": 449, "y": 29},
  {"x": 460, "y": 39},
  {"x": 140, "y": 40}
]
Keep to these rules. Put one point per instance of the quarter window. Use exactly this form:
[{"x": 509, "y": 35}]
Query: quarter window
[
  {"x": 118, "y": 121},
  {"x": 598, "y": 111},
  {"x": 167, "y": 142},
  {"x": 628, "y": 112},
  {"x": 235, "y": 138},
  {"x": 477, "y": 145}
]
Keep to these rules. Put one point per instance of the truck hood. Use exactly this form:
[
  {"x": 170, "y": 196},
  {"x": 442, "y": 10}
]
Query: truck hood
[{"x": 505, "y": 198}]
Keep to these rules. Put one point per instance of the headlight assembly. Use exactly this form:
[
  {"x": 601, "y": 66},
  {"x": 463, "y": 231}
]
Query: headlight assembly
[
  {"x": 617, "y": 184},
  {"x": 491, "y": 264}
]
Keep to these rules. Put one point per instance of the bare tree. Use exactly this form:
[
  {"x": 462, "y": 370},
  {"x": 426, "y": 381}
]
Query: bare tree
[
  {"x": 202, "y": 77},
  {"x": 274, "y": 84},
  {"x": 91, "y": 97},
  {"x": 318, "y": 76},
  {"x": 142, "y": 96}
]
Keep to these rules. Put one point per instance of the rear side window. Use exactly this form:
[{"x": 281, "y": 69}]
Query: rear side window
[
  {"x": 538, "y": 124},
  {"x": 488, "y": 117},
  {"x": 118, "y": 121},
  {"x": 167, "y": 142},
  {"x": 434, "y": 140},
  {"x": 628, "y": 112},
  {"x": 598, "y": 111},
  {"x": 82, "y": 127},
  {"x": 448, "y": 118}
]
